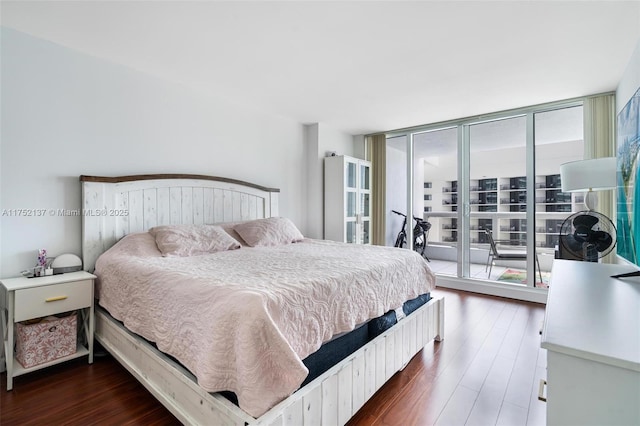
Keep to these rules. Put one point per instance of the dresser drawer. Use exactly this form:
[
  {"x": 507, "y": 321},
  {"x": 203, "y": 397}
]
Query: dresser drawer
[{"x": 52, "y": 299}]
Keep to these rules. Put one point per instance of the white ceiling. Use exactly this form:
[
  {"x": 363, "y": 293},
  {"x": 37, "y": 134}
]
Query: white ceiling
[{"x": 358, "y": 66}]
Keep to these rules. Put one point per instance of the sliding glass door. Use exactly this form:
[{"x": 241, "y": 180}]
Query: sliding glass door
[
  {"x": 558, "y": 140},
  {"x": 490, "y": 188},
  {"x": 497, "y": 199},
  {"x": 436, "y": 178}
]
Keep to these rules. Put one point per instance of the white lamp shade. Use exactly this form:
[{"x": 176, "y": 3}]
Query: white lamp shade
[{"x": 588, "y": 175}]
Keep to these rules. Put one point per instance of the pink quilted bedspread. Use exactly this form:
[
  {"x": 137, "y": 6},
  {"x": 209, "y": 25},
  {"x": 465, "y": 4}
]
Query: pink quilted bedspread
[{"x": 243, "y": 320}]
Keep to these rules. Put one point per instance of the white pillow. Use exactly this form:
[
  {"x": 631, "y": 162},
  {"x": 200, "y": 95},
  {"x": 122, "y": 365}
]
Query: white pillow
[
  {"x": 192, "y": 240},
  {"x": 273, "y": 231}
]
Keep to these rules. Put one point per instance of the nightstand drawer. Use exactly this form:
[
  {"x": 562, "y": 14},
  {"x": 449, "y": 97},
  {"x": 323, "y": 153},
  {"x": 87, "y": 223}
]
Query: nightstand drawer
[{"x": 52, "y": 299}]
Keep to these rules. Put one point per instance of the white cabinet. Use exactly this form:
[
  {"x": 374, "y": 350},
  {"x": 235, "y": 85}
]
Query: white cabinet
[
  {"x": 592, "y": 336},
  {"x": 347, "y": 199}
]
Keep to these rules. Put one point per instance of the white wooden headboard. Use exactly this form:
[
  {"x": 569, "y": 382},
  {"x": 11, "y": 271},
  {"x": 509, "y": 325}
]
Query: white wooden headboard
[{"x": 116, "y": 206}]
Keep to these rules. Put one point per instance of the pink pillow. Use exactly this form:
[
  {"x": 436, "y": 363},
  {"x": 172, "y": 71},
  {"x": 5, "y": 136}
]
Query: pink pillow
[
  {"x": 192, "y": 240},
  {"x": 273, "y": 231},
  {"x": 229, "y": 229}
]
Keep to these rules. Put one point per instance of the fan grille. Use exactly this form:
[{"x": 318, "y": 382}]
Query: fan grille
[{"x": 588, "y": 235}]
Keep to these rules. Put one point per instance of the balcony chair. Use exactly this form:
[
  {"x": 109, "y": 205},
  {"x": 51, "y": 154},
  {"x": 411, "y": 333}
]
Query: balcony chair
[{"x": 494, "y": 254}]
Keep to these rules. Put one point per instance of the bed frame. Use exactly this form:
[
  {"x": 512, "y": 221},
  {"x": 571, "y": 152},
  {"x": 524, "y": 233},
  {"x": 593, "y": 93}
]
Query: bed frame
[{"x": 116, "y": 206}]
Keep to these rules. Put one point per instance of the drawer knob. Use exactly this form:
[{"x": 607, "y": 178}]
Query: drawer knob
[{"x": 55, "y": 299}]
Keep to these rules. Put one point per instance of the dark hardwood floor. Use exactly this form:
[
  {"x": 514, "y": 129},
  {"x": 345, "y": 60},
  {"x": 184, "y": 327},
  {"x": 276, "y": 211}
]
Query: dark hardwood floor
[
  {"x": 76, "y": 393},
  {"x": 485, "y": 372}
]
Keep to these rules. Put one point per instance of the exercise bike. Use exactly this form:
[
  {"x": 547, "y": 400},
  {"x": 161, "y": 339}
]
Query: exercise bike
[{"x": 420, "y": 235}]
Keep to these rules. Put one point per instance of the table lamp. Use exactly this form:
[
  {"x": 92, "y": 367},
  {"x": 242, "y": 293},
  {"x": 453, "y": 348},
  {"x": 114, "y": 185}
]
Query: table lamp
[{"x": 590, "y": 176}]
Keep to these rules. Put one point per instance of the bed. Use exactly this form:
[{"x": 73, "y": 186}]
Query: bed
[{"x": 115, "y": 208}]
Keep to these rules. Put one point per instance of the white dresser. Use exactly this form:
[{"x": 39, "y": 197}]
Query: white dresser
[{"x": 592, "y": 336}]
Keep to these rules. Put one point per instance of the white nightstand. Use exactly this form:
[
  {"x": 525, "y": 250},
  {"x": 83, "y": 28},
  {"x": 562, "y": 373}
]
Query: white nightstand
[{"x": 28, "y": 298}]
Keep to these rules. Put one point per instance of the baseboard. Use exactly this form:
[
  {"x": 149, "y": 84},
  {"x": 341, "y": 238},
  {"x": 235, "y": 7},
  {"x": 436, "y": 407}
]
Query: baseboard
[{"x": 510, "y": 291}]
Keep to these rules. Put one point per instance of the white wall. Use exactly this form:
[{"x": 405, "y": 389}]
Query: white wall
[
  {"x": 319, "y": 140},
  {"x": 359, "y": 146},
  {"x": 630, "y": 81},
  {"x": 65, "y": 114}
]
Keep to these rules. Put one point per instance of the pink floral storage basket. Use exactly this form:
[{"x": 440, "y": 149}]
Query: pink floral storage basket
[{"x": 49, "y": 339}]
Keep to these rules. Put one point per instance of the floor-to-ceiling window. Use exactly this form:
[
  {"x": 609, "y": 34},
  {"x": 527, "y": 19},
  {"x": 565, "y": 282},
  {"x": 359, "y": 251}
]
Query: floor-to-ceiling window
[
  {"x": 491, "y": 177},
  {"x": 396, "y": 196},
  {"x": 437, "y": 154},
  {"x": 497, "y": 197},
  {"x": 558, "y": 135}
]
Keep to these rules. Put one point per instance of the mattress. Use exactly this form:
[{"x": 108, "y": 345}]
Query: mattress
[
  {"x": 337, "y": 349},
  {"x": 243, "y": 320}
]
